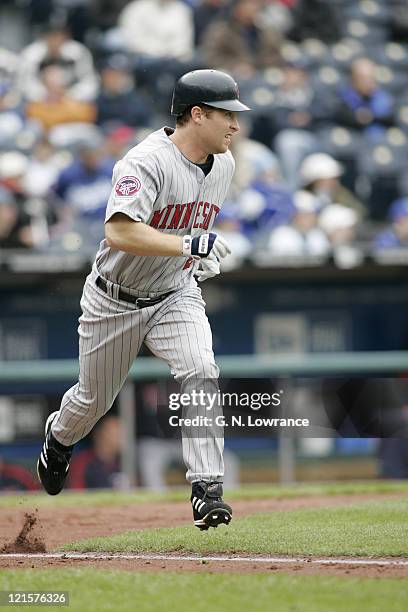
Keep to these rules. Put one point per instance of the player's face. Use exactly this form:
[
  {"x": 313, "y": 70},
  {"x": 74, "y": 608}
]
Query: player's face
[{"x": 219, "y": 127}]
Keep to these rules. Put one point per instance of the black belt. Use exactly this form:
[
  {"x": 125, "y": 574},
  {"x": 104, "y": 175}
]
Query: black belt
[{"x": 132, "y": 299}]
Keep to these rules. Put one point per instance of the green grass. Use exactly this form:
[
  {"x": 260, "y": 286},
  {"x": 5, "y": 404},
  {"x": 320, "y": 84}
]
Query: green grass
[
  {"x": 91, "y": 590},
  {"x": 369, "y": 529},
  {"x": 276, "y": 491}
]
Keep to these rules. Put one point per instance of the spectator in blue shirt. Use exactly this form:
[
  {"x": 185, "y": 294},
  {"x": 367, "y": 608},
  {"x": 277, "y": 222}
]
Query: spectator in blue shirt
[
  {"x": 267, "y": 202},
  {"x": 84, "y": 187},
  {"x": 395, "y": 236},
  {"x": 363, "y": 105},
  {"x": 81, "y": 192}
]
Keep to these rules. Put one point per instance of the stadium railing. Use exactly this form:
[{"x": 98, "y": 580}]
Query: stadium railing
[{"x": 239, "y": 366}]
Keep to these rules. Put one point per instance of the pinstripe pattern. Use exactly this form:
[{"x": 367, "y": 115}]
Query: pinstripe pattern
[
  {"x": 111, "y": 333},
  {"x": 167, "y": 178},
  {"x": 177, "y": 330},
  {"x": 188, "y": 350}
]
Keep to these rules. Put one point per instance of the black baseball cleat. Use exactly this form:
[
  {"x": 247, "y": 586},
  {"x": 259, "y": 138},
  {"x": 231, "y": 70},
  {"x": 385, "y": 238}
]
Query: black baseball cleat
[
  {"x": 208, "y": 508},
  {"x": 53, "y": 463}
]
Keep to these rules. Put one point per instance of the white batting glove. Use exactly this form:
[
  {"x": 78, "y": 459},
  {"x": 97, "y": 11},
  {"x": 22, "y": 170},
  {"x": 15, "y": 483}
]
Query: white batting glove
[
  {"x": 207, "y": 268},
  {"x": 202, "y": 246}
]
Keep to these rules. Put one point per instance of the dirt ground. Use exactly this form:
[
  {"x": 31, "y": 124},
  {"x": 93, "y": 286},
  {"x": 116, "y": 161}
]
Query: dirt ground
[{"x": 43, "y": 530}]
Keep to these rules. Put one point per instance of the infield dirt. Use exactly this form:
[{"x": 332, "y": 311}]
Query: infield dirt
[{"x": 45, "y": 529}]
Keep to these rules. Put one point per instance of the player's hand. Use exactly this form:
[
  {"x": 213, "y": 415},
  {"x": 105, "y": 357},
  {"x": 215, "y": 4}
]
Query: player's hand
[
  {"x": 207, "y": 268},
  {"x": 202, "y": 246}
]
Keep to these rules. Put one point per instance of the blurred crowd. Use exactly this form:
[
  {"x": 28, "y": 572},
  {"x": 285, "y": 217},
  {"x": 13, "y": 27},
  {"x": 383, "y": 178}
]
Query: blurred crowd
[{"x": 320, "y": 160}]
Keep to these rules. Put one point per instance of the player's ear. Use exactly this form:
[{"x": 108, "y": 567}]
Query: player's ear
[{"x": 197, "y": 114}]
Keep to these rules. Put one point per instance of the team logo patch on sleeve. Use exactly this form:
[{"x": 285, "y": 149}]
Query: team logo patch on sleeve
[{"x": 127, "y": 186}]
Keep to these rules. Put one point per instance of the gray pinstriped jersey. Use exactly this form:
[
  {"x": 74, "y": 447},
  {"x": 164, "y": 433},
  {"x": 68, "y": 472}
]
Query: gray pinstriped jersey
[{"x": 156, "y": 184}]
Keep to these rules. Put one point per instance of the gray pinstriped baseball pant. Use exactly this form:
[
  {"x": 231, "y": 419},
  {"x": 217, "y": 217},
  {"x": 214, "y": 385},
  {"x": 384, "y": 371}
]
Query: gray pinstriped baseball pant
[{"x": 110, "y": 336}]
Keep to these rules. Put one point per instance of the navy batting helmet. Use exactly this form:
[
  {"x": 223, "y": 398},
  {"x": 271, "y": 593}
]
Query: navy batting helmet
[{"x": 211, "y": 87}]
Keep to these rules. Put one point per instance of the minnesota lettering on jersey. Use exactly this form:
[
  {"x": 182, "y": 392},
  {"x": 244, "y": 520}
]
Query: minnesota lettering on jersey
[{"x": 179, "y": 216}]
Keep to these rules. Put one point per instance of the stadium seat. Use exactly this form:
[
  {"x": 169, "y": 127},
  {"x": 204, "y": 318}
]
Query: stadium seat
[
  {"x": 383, "y": 158},
  {"x": 313, "y": 52},
  {"x": 339, "y": 142},
  {"x": 368, "y": 34},
  {"x": 402, "y": 113},
  {"x": 370, "y": 12},
  {"x": 343, "y": 53},
  {"x": 262, "y": 98},
  {"x": 392, "y": 54},
  {"x": 259, "y": 92},
  {"x": 291, "y": 52},
  {"x": 395, "y": 81},
  {"x": 383, "y": 163},
  {"x": 273, "y": 77},
  {"x": 342, "y": 144},
  {"x": 397, "y": 140},
  {"x": 328, "y": 76}
]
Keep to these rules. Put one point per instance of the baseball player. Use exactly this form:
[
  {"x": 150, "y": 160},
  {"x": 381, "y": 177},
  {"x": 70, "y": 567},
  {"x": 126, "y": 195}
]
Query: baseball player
[{"x": 166, "y": 193}]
